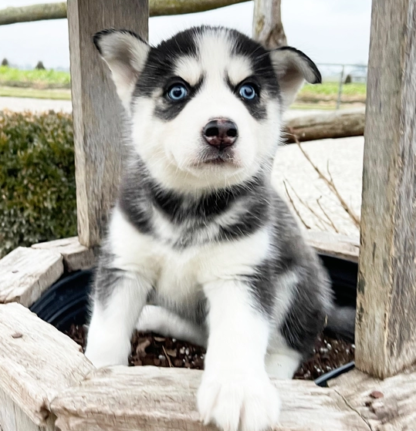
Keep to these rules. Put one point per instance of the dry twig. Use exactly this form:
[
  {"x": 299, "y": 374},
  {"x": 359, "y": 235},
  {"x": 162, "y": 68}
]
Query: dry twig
[
  {"x": 294, "y": 207},
  {"x": 308, "y": 207},
  {"x": 331, "y": 185},
  {"x": 167, "y": 357},
  {"x": 326, "y": 215}
]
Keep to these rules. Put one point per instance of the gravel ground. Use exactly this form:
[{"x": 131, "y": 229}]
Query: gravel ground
[
  {"x": 343, "y": 156},
  {"x": 35, "y": 105}
]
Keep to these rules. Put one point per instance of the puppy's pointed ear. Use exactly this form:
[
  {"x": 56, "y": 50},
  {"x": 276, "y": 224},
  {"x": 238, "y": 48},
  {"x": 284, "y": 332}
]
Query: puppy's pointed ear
[
  {"x": 125, "y": 53},
  {"x": 292, "y": 68}
]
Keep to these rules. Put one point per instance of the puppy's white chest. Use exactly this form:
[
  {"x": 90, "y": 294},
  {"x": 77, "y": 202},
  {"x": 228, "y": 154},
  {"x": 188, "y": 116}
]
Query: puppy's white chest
[
  {"x": 177, "y": 279},
  {"x": 171, "y": 273}
]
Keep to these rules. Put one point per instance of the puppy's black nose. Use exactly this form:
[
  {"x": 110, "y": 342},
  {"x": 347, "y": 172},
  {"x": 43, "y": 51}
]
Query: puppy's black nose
[{"x": 220, "y": 133}]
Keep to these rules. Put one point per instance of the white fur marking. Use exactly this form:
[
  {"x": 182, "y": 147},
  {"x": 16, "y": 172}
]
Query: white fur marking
[
  {"x": 163, "y": 322},
  {"x": 112, "y": 325}
]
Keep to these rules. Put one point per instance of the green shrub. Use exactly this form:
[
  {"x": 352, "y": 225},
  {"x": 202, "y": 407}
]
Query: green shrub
[{"x": 37, "y": 179}]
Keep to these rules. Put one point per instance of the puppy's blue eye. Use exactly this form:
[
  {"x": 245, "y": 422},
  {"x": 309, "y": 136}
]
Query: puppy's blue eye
[
  {"x": 248, "y": 92},
  {"x": 177, "y": 92}
]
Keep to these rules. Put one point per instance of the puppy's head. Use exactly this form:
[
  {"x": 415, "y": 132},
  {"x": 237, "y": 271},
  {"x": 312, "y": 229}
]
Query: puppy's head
[{"x": 205, "y": 105}]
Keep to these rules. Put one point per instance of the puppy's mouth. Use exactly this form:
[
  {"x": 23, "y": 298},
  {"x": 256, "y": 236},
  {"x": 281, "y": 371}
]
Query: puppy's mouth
[{"x": 217, "y": 157}]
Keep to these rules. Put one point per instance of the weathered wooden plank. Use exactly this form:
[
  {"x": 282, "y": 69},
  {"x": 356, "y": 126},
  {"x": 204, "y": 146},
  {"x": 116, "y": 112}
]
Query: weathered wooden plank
[
  {"x": 25, "y": 273},
  {"x": 337, "y": 124},
  {"x": 388, "y": 405},
  {"x": 75, "y": 255},
  {"x": 267, "y": 23},
  {"x": 37, "y": 362},
  {"x": 46, "y": 11},
  {"x": 97, "y": 113},
  {"x": 151, "y": 399},
  {"x": 13, "y": 418},
  {"x": 334, "y": 244},
  {"x": 386, "y": 311}
]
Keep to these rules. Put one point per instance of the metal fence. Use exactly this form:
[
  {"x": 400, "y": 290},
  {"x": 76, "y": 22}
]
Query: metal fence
[{"x": 343, "y": 73}]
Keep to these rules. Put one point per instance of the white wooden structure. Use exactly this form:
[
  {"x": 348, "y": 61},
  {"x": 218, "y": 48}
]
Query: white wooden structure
[{"x": 46, "y": 383}]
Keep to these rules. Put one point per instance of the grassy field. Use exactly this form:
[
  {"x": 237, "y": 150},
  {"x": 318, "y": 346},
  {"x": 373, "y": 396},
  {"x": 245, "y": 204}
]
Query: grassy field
[
  {"x": 46, "y": 84},
  {"x": 331, "y": 89},
  {"x": 35, "y": 93},
  {"x": 12, "y": 77}
]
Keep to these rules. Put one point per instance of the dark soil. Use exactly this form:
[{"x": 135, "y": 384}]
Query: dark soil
[{"x": 150, "y": 349}]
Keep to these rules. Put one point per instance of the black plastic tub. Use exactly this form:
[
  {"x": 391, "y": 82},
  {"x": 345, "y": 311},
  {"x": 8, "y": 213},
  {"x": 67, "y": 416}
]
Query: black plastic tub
[{"x": 66, "y": 302}]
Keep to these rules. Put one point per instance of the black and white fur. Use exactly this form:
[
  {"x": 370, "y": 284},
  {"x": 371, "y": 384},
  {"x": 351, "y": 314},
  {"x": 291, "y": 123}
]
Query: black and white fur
[{"x": 200, "y": 246}]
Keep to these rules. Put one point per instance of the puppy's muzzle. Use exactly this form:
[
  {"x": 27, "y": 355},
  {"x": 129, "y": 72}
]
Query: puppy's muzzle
[{"x": 220, "y": 133}]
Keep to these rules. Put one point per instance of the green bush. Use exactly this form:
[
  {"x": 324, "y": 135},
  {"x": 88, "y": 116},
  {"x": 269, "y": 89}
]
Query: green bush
[{"x": 37, "y": 179}]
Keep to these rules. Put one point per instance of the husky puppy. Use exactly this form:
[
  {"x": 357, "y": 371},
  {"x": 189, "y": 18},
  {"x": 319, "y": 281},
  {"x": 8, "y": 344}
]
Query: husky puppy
[{"x": 200, "y": 246}]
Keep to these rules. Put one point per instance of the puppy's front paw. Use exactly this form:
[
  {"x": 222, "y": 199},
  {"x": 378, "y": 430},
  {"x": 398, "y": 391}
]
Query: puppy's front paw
[{"x": 233, "y": 400}]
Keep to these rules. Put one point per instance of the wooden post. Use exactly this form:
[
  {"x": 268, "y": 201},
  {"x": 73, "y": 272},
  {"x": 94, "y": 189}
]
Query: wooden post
[
  {"x": 97, "y": 113},
  {"x": 267, "y": 24},
  {"x": 386, "y": 307}
]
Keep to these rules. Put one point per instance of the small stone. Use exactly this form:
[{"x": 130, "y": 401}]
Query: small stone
[
  {"x": 376, "y": 394},
  {"x": 17, "y": 335},
  {"x": 15, "y": 270}
]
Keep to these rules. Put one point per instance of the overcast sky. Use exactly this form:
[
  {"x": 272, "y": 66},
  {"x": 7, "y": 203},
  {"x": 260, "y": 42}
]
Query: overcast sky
[{"x": 329, "y": 31}]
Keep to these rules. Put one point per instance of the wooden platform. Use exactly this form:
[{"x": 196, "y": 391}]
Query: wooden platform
[{"x": 45, "y": 381}]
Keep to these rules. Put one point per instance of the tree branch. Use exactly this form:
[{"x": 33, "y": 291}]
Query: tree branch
[{"x": 46, "y": 11}]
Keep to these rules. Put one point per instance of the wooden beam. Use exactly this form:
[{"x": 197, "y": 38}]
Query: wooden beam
[
  {"x": 97, "y": 113},
  {"x": 162, "y": 399},
  {"x": 334, "y": 244},
  {"x": 26, "y": 273},
  {"x": 336, "y": 124},
  {"x": 47, "y": 11},
  {"x": 75, "y": 256},
  {"x": 37, "y": 362},
  {"x": 386, "y": 307},
  {"x": 13, "y": 418},
  {"x": 267, "y": 24},
  {"x": 387, "y": 405}
]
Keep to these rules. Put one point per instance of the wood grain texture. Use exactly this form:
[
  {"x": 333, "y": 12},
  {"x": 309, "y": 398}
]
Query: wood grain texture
[
  {"x": 37, "y": 362},
  {"x": 334, "y": 244},
  {"x": 26, "y": 273},
  {"x": 394, "y": 410},
  {"x": 75, "y": 256},
  {"x": 46, "y": 11},
  {"x": 149, "y": 398},
  {"x": 13, "y": 418},
  {"x": 336, "y": 124},
  {"x": 97, "y": 112},
  {"x": 386, "y": 307},
  {"x": 37, "y": 12},
  {"x": 267, "y": 23}
]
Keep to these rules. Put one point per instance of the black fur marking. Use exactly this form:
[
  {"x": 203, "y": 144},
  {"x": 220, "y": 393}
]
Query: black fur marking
[
  {"x": 106, "y": 277},
  {"x": 140, "y": 196},
  {"x": 170, "y": 110},
  {"x": 262, "y": 288},
  {"x": 161, "y": 62},
  {"x": 306, "y": 316}
]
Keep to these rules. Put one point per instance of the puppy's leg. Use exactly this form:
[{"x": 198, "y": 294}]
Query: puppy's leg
[
  {"x": 236, "y": 392},
  {"x": 164, "y": 322},
  {"x": 115, "y": 312},
  {"x": 282, "y": 363}
]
